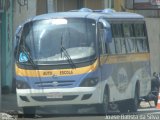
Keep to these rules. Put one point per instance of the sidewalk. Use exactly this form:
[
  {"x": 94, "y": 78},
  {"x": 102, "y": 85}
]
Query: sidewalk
[
  {"x": 9, "y": 104},
  {"x": 12, "y": 111},
  {"x": 9, "y": 108}
]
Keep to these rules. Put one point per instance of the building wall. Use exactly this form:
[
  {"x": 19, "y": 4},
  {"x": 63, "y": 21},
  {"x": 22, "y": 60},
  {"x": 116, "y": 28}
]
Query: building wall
[
  {"x": 41, "y": 7},
  {"x": 6, "y": 43},
  {"x": 153, "y": 27},
  {"x": 66, "y": 5},
  {"x": 22, "y": 11},
  {"x": 118, "y": 5},
  {"x": 94, "y": 4}
]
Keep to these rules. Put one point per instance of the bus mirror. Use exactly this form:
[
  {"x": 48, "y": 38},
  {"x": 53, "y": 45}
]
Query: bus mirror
[
  {"x": 104, "y": 23},
  {"x": 107, "y": 28}
]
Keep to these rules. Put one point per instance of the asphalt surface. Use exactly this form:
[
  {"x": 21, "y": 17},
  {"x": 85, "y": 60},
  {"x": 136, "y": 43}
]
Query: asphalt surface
[
  {"x": 147, "y": 111},
  {"x": 143, "y": 114}
]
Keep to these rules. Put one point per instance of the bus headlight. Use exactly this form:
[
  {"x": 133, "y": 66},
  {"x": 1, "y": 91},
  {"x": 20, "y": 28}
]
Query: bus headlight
[
  {"x": 22, "y": 85},
  {"x": 89, "y": 82}
]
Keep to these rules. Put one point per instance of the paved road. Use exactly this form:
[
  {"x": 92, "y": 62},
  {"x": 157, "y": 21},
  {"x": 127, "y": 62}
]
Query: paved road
[
  {"x": 143, "y": 114},
  {"x": 51, "y": 113}
]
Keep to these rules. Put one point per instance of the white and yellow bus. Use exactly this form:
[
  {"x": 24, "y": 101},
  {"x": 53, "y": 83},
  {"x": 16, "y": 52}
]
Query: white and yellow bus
[{"x": 83, "y": 57}]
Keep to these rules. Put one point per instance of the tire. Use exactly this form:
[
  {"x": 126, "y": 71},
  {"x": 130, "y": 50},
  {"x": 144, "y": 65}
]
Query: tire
[
  {"x": 134, "y": 103},
  {"x": 104, "y": 107},
  {"x": 130, "y": 105},
  {"x": 29, "y": 112}
]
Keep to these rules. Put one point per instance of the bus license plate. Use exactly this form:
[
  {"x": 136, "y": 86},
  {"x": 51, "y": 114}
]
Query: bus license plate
[{"x": 54, "y": 95}]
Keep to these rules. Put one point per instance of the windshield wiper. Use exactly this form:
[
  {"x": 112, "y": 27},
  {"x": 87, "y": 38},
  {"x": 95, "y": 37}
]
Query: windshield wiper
[
  {"x": 28, "y": 55},
  {"x": 63, "y": 49},
  {"x": 68, "y": 57}
]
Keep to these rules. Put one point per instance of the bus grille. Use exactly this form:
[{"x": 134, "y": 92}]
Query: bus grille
[
  {"x": 44, "y": 99},
  {"x": 55, "y": 84}
]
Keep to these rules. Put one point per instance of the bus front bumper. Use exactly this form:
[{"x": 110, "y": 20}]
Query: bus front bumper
[{"x": 65, "y": 96}]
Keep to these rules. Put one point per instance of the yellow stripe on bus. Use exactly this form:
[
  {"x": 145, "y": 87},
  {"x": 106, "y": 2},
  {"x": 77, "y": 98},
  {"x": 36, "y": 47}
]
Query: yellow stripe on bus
[
  {"x": 125, "y": 58},
  {"x": 59, "y": 72},
  {"x": 67, "y": 72}
]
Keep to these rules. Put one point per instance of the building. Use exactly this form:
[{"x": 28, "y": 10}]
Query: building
[{"x": 6, "y": 18}]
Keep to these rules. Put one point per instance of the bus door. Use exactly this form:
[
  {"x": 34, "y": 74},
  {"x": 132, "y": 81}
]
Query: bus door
[{"x": 104, "y": 37}]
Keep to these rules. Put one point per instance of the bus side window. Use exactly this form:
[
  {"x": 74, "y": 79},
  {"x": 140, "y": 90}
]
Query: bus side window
[
  {"x": 111, "y": 46},
  {"x": 120, "y": 47},
  {"x": 141, "y": 37},
  {"x": 129, "y": 37}
]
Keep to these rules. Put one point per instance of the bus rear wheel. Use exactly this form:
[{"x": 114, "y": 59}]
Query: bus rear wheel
[
  {"x": 29, "y": 112},
  {"x": 134, "y": 103},
  {"x": 130, "y": 105}
]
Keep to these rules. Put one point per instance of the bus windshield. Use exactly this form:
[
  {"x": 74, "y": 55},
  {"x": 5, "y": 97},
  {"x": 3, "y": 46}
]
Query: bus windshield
[{"x": 57, "y": 40}]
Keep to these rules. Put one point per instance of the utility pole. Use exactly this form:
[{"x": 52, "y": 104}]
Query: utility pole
[
  {"x": 0, "y": 56},
  {"x": 1, "y": 10}
]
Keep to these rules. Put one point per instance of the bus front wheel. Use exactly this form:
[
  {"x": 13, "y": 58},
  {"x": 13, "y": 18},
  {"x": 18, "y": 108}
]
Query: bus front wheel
[
  {"x": 106, "y": 102},
  {"x": 104, "y": 107}
]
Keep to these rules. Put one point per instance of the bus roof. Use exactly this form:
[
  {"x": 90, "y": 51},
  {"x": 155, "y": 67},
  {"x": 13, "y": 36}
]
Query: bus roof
[{"x": 92, "y": 15}]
